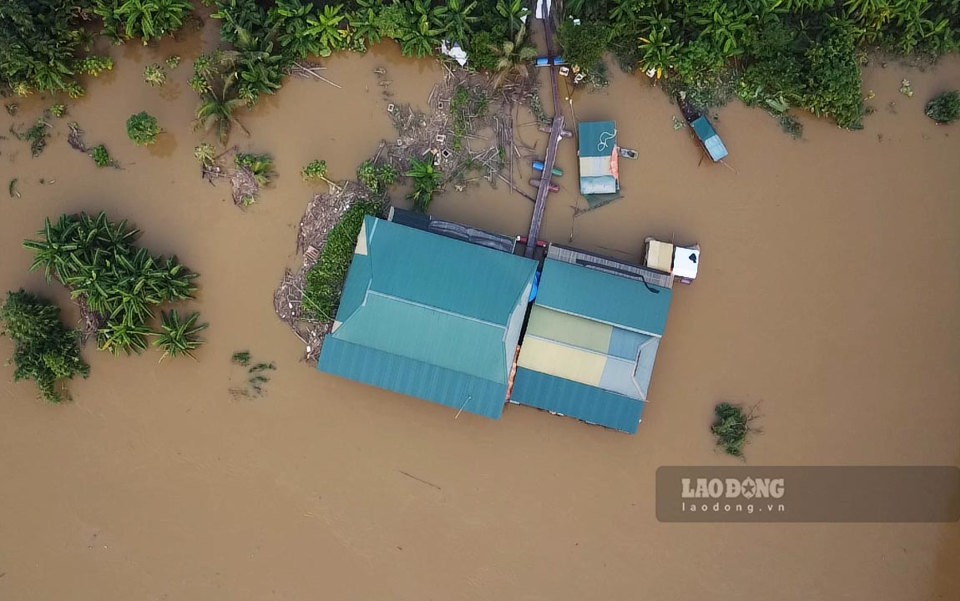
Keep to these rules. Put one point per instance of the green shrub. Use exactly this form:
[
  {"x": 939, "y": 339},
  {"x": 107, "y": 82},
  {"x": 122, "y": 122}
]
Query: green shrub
[
  {"x": 945, "y": 108},
  {"x": 101, "y": 157},
  {"x": 58, "y": 110},
  {"x": 259, "y": 165},
  {"x": 142, "y": 128},
  {"x": 178, "y": 336},
  {"x": 427, "y": 179},
  {"x": 584, "y": 44},
  {"x": 154, "y": 75},
  {"x": 316, "y": 170},
  {"x": 732, "y": 426},
  {"x": 45, "y": 351},
  {"x": 376, "y": 177},
  {"x": 325, "y": 281},
  {"x": 147, "y": 20}
]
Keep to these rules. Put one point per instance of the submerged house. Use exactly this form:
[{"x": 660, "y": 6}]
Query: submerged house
[
  {"x": 592, "y": 339},
  {"x": 430, "y": 316}
]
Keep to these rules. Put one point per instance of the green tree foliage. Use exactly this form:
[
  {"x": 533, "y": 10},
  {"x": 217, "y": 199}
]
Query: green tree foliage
[
  {"x": 97, "y": 261},
  {"x": 147, "y": 20},
  {"x": 945, "y": 108},
  {"x": 376, "y": 178},
  {"x": 805, "y": 53},
  {"x": 44, "y": 47},
  {"x": 45, "y": 351},
  {"x": 325, "y": 281},
  {"x": 143, "y": 129}
]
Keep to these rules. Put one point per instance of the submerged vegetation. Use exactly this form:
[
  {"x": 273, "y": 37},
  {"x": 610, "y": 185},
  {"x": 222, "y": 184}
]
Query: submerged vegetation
[
  {"x": 427, "y": 179},
  {"x": 45, "y": 350},
  {"x": 116, "y": 283},
  {"x": 798, "y": 53},
  {"x": 732, "y": 426},
  {"x": 256, "y": 375},
  {"x": 945, "y": 108},
  {"x": 325, "y": 281},
  {"x": 143, "y": 129}
]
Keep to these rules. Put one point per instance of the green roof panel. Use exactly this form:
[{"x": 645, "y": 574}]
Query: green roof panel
[{"x": 605, "y": 297}]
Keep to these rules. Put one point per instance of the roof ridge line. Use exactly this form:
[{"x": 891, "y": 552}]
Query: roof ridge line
[{"x": 433, "y": 308}]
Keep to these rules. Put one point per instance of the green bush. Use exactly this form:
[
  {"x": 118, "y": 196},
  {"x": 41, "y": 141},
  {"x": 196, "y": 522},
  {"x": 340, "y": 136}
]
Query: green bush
[
  {"x": 316, "y": 170},
  {"x": 584, "y": 44},
  {"x": 143, "y": 129},
  {"x": 325, "y": 281},
  {"x": 147, "y": 20},
  {"x": 376, "y": 177},
  {"x": 45, "y": 351},
  {"x": 259, "y": 165},
  {"x": 101, "y": 157},
  {"x": 945, "y": 108},
  {"x": 732, "y": 426}
]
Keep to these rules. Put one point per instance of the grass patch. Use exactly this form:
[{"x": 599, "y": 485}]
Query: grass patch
[
  {"x": 732, "y": 427},
  {"x": 325, "y": 281}
]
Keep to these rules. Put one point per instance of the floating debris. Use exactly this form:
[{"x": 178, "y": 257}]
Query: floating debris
[
  {"x": 905, "y": 88},
  {"x": 12, "y": 188}
]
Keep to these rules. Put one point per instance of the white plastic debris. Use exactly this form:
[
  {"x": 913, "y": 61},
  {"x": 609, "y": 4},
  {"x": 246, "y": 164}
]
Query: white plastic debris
[{"x": 455, "y": 52}]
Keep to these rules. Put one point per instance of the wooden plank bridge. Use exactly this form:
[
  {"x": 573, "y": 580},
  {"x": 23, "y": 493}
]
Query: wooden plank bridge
[{"x": 552, "y": 143}]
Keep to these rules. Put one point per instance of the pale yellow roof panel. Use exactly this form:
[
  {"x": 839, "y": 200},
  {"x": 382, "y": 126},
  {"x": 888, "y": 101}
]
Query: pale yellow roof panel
[{"x": 561, "y": 361}]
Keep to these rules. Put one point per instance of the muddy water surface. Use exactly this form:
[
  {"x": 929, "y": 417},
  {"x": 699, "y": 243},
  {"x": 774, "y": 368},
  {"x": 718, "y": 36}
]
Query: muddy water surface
[{"x": 829, "y": 293}]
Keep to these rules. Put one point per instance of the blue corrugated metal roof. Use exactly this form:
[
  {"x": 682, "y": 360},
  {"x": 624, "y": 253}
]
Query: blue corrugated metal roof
[
  {"x": 577, "y": 400},
  {"x": 447, "y": 387},
  {"x": 604, "y": 297}
]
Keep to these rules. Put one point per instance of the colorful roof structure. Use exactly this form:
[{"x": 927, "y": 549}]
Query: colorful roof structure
[
  {"x": 430, "y": 316},
  {"x": 590, "y": 345},
  {"x": 599, "y": 162}
]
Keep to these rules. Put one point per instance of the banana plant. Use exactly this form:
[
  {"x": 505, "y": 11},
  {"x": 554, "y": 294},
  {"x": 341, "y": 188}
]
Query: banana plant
[
  {"x": 513, "y": 11},
  {"x": 326, "y": 27},
  {"x": 421, "y": 39},
  {"x": 291, "y": 18},
  {"x": 457, "y": 20},
  {"x": 177, "y": 336}
]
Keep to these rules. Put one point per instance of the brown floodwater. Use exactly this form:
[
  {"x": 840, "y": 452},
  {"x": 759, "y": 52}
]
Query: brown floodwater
[{"x": 828, "y": 294}]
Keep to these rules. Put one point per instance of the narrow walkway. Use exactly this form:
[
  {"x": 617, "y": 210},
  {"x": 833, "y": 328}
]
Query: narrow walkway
[{"x": 552, "y": 143}]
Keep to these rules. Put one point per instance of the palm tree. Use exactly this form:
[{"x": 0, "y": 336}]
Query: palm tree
[
  {"x": 512, "y": 58},
  {"x": 216, "y": 110},
  {"x": 178, "y": 336}
]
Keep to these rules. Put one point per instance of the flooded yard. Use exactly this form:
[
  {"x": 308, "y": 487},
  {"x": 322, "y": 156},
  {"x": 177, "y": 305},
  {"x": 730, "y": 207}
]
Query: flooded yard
[{"x": 828, "y": 294}]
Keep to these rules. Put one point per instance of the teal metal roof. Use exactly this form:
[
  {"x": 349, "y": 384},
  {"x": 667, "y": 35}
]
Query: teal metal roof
[
  {"x": 411, "y": 330},
  {"x": 597, "y": 138},
  {"x": 441, "y": 272},
  {"x": 576, "y": 400},
  {"x": 443, "y": 386},
  {"x": 605, "y": 297},
  {"x": 427, "y": 316}
]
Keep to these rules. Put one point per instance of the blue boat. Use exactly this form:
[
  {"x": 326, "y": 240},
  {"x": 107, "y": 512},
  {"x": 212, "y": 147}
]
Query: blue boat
[{"x": 704, "y": 131}]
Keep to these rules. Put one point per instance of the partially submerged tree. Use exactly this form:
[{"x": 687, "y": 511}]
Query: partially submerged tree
[
  {"x": 143, "y": 129},
  {"x": 147, "y": 20},
  {"x": 45, "y": 351},
  {"x": 944, "y": 108}
]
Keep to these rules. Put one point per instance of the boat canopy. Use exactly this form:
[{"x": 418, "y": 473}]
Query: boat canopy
[{"x": 711, "y": 141}]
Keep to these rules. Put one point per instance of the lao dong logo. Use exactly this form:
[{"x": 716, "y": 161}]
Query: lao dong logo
[{"x": 732, "y": 488}]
